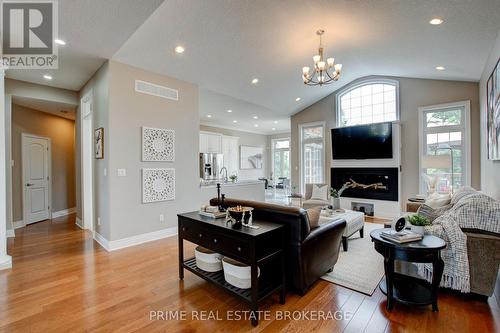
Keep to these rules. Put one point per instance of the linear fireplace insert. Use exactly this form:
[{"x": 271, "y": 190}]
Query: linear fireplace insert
[{"x": 367, "y": 183}]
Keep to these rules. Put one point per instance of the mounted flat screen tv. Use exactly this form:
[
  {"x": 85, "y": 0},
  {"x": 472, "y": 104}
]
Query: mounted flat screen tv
[{"x": 362, "y": 142}]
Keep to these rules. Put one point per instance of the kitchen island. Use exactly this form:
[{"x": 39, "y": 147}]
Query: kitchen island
[{"x": 243, "y": 189}]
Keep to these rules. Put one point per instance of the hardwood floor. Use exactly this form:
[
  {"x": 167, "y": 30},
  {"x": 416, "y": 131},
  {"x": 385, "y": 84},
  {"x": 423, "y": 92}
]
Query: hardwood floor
[{"x": 63, "y": 281}]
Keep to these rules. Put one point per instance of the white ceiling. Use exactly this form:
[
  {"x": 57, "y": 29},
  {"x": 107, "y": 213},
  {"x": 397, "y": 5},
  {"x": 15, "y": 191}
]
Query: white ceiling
[
  {"x": 63, "y": 110},
  {"x": 93, "y": 31},
  {"x": 217, "y": 105},
  {"x": 230, "y": 42}
]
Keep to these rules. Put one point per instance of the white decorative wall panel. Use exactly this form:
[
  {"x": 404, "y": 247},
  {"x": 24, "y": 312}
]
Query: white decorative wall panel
[
  {"x": 158, "y": 184},
  {"x": 158, "y": 145}
]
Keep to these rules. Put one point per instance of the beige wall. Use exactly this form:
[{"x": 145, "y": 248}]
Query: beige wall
[
  {"x": 34, "y": 91},
  {"x": 99, "y": 86},
  {"x": 128, "y": 112},
  {"x": 490, "y": 170},
  {"x": 413, "y": 94},
  {"x": 61, "y": 131},
  {"x": 246, "y": 139}
]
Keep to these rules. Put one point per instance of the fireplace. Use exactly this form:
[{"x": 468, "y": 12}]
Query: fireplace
[{"x": 367, "y": 183}]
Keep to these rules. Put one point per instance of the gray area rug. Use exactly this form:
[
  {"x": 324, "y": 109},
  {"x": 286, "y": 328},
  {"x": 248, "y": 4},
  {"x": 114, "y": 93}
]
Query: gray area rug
[{"x": 360, "y": 268}]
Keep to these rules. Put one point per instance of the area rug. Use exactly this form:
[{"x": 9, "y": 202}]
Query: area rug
[{"x": 360, "y": 268}]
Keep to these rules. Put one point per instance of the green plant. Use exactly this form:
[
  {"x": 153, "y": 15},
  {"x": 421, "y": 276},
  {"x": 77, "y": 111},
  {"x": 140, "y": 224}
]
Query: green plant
[
  {"x": 418, "y": 220},
  {"x": 233, "y": 178},
  {"x": 334, "y": 193}
]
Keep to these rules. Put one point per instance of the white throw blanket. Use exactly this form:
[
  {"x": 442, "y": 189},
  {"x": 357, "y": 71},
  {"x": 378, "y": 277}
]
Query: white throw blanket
[{"x": 470, "y": 210}]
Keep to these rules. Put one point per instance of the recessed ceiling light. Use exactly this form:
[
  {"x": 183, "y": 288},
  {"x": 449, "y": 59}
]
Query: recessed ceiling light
[
  {"x": 209, "y": 116},
  {"x": 179, "y": 49},
  {"x": 274, "y": 129},
  {"x": 297, "y": 99},
  {"x": 436, "y": 21},
  {"x": 255, "y": 81},
  {"x": 235, "y": 121},
  {"x": 255, "y": 125},
  {"x": 229, "y": 111},
  {"x": 255, "y": 117},
  {"x": 47, "y": 77},
  {"x": 440, "y": 68},
  {"x": 59, "y": 42},
  {"x": 275, "y": 121}
]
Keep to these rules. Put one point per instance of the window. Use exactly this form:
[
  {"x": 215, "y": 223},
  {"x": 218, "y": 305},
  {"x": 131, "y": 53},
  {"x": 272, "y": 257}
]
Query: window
[
  {"x": 368, "y": 102},
  {"x": 445, "y": 130},
  {"x": 312, "y": 151},
  {"x": 281, "y": 158}
]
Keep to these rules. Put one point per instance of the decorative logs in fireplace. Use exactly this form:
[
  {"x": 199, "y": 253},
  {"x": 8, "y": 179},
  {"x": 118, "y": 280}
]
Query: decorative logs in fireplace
[{"x": 368, "y": 183}]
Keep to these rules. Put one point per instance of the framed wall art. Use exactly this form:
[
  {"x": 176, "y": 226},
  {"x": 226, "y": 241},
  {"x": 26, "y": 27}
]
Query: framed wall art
[
  {"x": 251, "y": 157},
  {"x": 493, "y": 113},
  {"x": 158, "y": 144},
  {"x": 158, "y": 184},
  {"x": 99, "y": 143}
]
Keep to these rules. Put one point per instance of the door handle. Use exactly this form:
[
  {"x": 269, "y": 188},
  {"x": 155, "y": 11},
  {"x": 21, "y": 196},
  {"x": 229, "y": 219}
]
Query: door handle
[{"x": 28, "y": 184}]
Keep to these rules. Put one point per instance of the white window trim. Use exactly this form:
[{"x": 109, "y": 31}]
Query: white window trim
[
  {"x": 301, "y": 148},
  {"x": 467, "y": 152},
  {"x": 360, "y": 84},
  {"x": 280, "y": 149}
]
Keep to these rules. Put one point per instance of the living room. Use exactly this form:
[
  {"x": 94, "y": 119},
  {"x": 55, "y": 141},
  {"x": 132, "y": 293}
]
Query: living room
[{"x": 237, "y": 171}]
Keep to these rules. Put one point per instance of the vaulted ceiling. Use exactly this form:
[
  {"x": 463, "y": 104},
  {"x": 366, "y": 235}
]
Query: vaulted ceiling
[{"x": 228, "y": 43}]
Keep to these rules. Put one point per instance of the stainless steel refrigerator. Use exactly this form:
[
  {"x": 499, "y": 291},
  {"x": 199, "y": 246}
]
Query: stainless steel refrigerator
[{"x": 210, "y": 166}]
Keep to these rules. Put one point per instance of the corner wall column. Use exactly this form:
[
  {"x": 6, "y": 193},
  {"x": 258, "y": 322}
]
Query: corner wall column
[{"x": 5, "y": 260}]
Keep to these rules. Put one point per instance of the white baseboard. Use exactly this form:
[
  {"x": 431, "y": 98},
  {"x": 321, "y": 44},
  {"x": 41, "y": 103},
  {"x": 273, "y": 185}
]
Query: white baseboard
[
  {"x": 18, "y": 224},
  {"x": 79, "y": 223},
  {"x": 5, "y": 262},
  {"x": 134, "y": 240},
  {"x": 11, "y": 233},
  {"x": 63, "y": 212},
  {"x": 102, "y": 241}
]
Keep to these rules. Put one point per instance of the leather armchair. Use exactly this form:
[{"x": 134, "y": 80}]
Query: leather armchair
[{"x": 309, "y": 253}]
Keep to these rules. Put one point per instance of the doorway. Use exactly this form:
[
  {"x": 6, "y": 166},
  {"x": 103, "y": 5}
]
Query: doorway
[
  {"x": 36, "y": 178},
  {"x": 87, "y": 159}
]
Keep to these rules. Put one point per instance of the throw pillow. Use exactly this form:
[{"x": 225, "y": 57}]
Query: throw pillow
[
  {"x": 313, "y": 215},
  {"x": 436, "y": 200},
  {"x": 430, "y": 213},
  {"x": 320, "y": 192}
]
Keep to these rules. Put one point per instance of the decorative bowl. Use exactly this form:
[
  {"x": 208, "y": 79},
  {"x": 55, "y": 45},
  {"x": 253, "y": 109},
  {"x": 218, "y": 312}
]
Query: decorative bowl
[{"x": 238, "y": 214}]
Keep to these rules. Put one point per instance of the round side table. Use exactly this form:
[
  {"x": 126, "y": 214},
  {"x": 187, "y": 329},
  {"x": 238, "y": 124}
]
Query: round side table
[{"x": 407, "y": 289}]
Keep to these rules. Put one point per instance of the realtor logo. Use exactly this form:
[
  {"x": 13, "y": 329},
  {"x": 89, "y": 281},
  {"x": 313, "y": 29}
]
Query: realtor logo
[{"x": 28, "y": 32}]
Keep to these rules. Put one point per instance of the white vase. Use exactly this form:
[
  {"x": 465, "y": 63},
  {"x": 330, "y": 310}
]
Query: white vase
[
  {"x": 335, "y": 203},
  {"x": 418, "y": 229}
]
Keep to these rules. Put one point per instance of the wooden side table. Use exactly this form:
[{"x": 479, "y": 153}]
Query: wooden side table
[
  {"x": 407, "y": 289},
  {"x": 253, "y": 247}
]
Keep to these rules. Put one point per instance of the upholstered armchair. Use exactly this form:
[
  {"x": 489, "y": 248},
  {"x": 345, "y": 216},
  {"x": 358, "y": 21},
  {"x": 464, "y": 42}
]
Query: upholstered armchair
[{"x": 310, "y": 202}]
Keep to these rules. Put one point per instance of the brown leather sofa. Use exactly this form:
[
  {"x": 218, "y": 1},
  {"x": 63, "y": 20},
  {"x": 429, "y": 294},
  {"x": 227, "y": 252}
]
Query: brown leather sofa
[{"x": 310, "y": 253}]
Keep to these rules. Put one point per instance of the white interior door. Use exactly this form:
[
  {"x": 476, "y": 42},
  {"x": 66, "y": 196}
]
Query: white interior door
[{"x": 36, "y": 178}]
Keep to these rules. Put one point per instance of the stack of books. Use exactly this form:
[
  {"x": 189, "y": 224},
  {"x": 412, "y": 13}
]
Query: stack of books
[{"x": 404, "y": 236}]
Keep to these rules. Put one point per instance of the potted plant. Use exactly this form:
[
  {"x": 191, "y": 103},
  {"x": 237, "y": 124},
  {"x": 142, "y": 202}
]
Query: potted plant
[
  {"x": 418, "y": 223},
  {"x": 233, "y": 178},
  {"x": 335, "y": 195}
]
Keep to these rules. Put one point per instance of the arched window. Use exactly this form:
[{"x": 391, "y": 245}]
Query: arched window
[{"x": 371, "y": 101}]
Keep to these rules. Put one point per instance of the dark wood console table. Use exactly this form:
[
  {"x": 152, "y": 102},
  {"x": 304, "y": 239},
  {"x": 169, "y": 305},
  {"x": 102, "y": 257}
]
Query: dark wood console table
[
  {"x": 263, "y": 247},
  {"x": 407, "y": 289}
]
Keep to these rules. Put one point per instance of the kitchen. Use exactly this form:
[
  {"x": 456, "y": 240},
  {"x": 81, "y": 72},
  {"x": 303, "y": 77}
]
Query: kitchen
[{"x": 234, "y": 159}]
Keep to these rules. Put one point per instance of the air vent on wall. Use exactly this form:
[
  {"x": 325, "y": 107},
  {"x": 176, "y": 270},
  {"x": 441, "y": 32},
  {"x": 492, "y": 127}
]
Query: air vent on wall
[{"x": 156, "y": 90}]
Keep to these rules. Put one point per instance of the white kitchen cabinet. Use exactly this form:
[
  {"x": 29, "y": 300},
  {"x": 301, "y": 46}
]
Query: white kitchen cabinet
[
  {"x": 230, "y": 149},
  {"x": 210, "y": 142}
]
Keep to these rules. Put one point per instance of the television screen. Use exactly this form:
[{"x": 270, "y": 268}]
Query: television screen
[{"x": 362, "y": 142}]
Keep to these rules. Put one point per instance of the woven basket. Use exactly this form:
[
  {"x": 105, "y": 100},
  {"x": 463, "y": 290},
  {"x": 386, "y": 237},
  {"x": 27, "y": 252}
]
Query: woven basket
[
  {"x": 207, "y": 260},
  {"x": 237, "y": 273}
]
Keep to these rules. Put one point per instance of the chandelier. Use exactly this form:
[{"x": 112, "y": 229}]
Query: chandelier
[{"x": 323, "y": 72}]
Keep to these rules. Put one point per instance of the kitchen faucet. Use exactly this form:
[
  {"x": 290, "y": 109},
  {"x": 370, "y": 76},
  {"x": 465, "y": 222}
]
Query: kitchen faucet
[{"x": 224, "y": 169}]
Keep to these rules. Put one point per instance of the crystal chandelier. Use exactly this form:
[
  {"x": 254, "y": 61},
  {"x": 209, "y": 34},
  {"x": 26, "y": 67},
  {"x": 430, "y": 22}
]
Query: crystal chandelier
[{"x": 323, "y": 72}]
